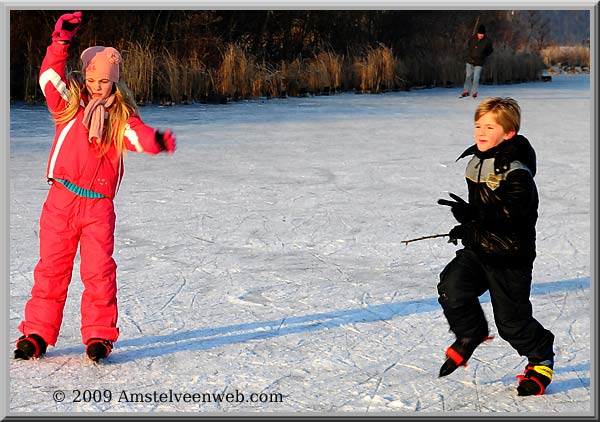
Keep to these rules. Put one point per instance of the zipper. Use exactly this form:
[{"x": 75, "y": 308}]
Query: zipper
[{"x": 480, "y": 167}]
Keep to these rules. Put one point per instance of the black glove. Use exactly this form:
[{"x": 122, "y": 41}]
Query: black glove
[
  {"x": 456, "y": 234},
  {"x": 166, "y": 140},
  {"x": 461, "y": 209}
]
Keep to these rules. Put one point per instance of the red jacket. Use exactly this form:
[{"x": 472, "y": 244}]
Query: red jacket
[{"x": 72, "y": 156}]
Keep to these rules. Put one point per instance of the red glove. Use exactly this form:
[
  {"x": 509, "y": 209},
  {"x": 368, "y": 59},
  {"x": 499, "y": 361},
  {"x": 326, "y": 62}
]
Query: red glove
[
  {"x": 66, "y": 27},
  {"x": 166, "y": 141}
]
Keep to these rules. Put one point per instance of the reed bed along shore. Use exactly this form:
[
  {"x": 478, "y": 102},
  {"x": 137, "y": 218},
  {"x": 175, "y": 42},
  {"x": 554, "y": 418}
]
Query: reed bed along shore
[{"x": 162, "y": 77}]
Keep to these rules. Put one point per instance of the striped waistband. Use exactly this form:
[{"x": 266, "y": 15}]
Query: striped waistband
[{"x": 86, "y": 193}]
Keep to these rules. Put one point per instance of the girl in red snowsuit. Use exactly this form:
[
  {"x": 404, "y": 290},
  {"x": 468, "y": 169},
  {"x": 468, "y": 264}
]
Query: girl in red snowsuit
[{"x": 95, "y": 122}]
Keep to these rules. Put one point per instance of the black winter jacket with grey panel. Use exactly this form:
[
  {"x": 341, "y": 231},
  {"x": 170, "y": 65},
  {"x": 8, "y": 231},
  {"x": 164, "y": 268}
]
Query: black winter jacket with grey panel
[{"x": 503, "y": 201}]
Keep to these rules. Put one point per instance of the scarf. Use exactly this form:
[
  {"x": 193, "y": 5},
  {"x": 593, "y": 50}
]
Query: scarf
[{"x": 94, "y": 115}]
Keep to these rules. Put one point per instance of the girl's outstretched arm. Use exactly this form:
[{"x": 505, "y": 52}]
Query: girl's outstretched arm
[{"x": 53, "y": 80}]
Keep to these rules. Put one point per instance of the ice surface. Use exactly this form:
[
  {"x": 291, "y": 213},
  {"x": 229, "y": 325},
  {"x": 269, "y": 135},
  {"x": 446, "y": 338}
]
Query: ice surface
[{"x": 265, "y": 256}]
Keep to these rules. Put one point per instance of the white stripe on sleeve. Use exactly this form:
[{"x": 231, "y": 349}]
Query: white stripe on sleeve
[
  {"x": 59, "y": 142},
  {"x": 51, "y": 76},
  {"x": 133, "y": 138}
]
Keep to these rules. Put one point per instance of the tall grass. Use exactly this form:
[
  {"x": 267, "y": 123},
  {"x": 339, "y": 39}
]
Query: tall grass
[
  {"x": 241, "y": 76},
  {"x": 139, "y": 71},
  {"x": 566, "y": 57},
  {"x": 376, "y": 70},
  {"x": 31, "y": 86},
  {"x": 506, "y": 66},
  {"x": 291, "y": 77},
  {"x": 316, "y": 76},
  {"x": 331, "y": 65},
  {"x": 162, "y": 76}
]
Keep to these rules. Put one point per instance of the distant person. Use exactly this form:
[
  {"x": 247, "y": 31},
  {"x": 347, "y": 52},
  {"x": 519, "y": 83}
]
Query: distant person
[
  {"x": 96, "y": 120},
  {"x": 497, "y": 230},
  {"x": 478, "y": 49}
]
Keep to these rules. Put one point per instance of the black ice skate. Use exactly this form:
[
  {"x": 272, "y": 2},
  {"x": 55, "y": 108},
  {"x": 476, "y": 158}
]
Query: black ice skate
[
  {"x": 30, "y": 347},
  {"x": 459, "y": 353},
  {"x": 535, "y": 379},
  {"x": 97, "y": 349}
]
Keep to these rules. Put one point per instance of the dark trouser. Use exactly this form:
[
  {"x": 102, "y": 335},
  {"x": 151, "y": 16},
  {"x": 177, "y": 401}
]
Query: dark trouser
[{"x": 466, "y": 278}]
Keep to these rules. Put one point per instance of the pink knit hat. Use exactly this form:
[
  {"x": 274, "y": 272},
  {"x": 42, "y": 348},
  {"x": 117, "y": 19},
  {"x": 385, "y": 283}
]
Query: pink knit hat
[{"x": 101, "y": 63}]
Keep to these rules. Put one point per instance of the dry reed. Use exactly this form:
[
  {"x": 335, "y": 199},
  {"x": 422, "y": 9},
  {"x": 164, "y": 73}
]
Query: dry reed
[{"x": 163, "y": 76}]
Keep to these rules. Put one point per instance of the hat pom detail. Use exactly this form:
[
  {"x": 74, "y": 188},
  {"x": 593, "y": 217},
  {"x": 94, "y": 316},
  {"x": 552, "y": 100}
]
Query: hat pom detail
[
  {"x": 113, "y": 56},
  {"x": 101, "y": 62}
]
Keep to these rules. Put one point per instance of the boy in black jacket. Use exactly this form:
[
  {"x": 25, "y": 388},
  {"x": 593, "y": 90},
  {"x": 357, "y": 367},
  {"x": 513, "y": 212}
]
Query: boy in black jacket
[{"x": 497, "y": 230}]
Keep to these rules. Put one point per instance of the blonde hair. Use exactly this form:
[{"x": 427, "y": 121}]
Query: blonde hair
[
  {"x": 506, "y": 111},
  {"x": 118, "y": 114}
]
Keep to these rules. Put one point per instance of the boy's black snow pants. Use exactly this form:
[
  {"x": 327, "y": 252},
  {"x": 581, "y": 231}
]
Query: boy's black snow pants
[{"x": 466, "y": 277}]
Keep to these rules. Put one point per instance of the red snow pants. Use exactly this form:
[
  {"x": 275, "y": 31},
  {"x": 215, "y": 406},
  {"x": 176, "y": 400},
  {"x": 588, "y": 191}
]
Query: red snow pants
[{"x": 68, "y": 220}]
